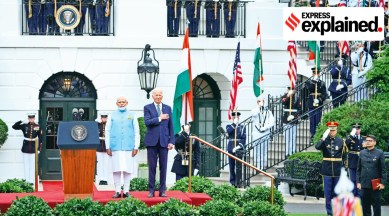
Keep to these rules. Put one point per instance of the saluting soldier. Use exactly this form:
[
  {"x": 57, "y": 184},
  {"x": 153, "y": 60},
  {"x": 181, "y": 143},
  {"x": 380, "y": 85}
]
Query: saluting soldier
[
  {"x": 291, "y": 109},
  {"x": 317, "y": 94},
  {"x": 354, "y": 144},
  {"x": 236, "y": 141},
  {"x": 50, "y": 11},
  {"x": 102, "y": 15},
  {"x": 371, "y": 169},
  {"x": 362, "y": 63},
  {"x": 230, "y": 7},
  {"x": 193, "y": 14},
  {"x": 101, "y": 152},
  {"x": 81, "y": 6},
  {"x": 341, "y": 78},
  {"x": 213, "y": 18},
  {"x": 332, "y": 148},
  {"x": 181, "y": 160},
  {"x": 31, "y": 132},
  {"x": 173, "y": 17}
]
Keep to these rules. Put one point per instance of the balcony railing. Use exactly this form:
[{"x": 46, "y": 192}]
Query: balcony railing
[
  {"x": 206, "y": 16},
  {"x": 97, "y": 18}
]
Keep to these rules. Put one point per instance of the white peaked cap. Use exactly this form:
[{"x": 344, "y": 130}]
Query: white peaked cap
[
  {"x": 75, "y": 110},
  {"x": 262, "y": 96},
  {"x": 345, "y": 185}
]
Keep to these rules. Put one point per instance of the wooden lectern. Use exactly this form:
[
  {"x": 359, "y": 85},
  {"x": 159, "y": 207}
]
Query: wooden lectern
[{"x": 78, "y": 141}]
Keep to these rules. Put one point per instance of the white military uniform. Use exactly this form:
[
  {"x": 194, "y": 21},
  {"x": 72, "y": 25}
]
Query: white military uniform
[
  {"x": 361, "y": 65},
  {"x": 263, "y": 120}
]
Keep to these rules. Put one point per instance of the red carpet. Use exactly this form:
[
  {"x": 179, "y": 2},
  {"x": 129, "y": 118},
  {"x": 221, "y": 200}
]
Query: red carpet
[{"x": 53, "y": 194}]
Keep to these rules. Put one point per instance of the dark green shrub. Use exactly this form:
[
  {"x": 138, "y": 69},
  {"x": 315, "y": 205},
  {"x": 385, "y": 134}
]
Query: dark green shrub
[
  {"x": 261, "y": 193},
  {"x": 199, "y": 184},
  {"x": 261, "y": 208},
  {"x": 16, "y": 186},
  {"x": 379, "y": 73},
  {"x": 173, "y": 207},
  {"x": 142, "y": 132},
  {"x": 79, "y": 207},
  {"x": 29, "y": 205},
  {"x": 3, "y": 132},
  {"x": 128, "y": 206},
  {"x": 219, "y": 208},
  {"x": 141, "y": 184},
  {"x": 223, "y": 192},
  {"x": 385, "y": 191},
  {"x": 372, "y": 114},
  {"x": 309, "y": 156}
]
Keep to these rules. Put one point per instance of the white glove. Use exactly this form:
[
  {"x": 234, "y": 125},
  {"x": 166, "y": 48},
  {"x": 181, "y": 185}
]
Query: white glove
[
  {"x": 236, "y": 120},
  {"x": 25, "y": 121},
  {"x": 290, "y": 92},
  {"x": 215, "y": 0},
  {"x": 98, "y": 120},
  {"x": 43, "y": 1},
  {"x": 186, "y": 128},
  {"x": 290, "y": 118},
  {"x": 195, "y": 172},
  {"x": 340, "y": 62},
  {"x": 353, "y": 131},
  {"x": 315, "y": 78},
  {"x": 94, "y": 2},
  {"x": 325, "y": 134},
  {"x": 316, "y": 101},
  {"x": 236, "y": 148},
  {"x": 360, "y": 50},
  {"x": 262, "y": 129},
  {"x": 339, "y": 87}
]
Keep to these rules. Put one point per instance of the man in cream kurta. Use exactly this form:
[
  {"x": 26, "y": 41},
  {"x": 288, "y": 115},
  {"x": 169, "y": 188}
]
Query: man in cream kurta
[{"x": 122, "y": 143}]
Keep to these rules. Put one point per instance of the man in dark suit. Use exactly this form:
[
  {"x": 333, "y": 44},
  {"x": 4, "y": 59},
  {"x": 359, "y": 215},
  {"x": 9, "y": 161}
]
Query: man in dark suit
[
  {"x": 371, "y": 166},
  {"x": 159, "y": 139},
  {"x": 341, "y": 78}
]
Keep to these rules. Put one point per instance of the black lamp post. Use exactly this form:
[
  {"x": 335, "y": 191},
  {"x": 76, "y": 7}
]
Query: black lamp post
[{"x": 147, "y": 71}]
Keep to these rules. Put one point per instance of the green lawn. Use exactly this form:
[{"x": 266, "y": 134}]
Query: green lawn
[{"x": 296, "y": 214}]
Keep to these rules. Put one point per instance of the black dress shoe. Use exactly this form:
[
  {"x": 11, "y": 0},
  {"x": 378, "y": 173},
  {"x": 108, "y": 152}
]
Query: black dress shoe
[
  {"x": 151, "y": 194},
  {"x": 125, "y": 195},
  {"x": 116, "y": 195},
  {"x": 162, "y": 194}
]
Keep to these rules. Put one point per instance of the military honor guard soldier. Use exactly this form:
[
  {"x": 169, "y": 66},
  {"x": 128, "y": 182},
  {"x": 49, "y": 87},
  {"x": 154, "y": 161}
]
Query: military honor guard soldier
[
  {"x": 230, "y": 7},
  {"x": 332, "y": 148},
  {"x": 212, "y": 8},
  {"x": 341, "y": 78},
  {"x": 31, "y": 132},
  {"x": 291, "y": 109},
  {"x": 362, "y": 63},
  {"x": 193, "y": 14},
  {"x": 101, "y": 152},
  {"x": 354, "y": 144},
  {"x": 371, "y": 176},
  {"x": 173, "y": 17},
  {"x": 236, "y": 141},
  {"x": 181, "y": 160},
  {"x": 317, "y": 94},
  {"x": 263, "y": 121}
]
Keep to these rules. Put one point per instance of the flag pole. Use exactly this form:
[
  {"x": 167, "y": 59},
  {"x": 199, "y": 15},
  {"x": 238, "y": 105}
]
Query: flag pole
[
  {"x": 260, "y": 59},
  {"x": 340, "y": 58}
]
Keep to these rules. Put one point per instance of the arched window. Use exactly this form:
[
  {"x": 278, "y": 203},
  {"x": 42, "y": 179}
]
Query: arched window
[
  {"x": 68, "y": 85},
  {"x": 204, "y": 87}
]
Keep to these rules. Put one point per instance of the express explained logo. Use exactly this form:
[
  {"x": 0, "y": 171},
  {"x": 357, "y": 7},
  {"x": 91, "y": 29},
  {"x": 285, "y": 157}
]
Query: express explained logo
[
  {"x": 333, "y": 23},
  {"x": 292, "y": 22},
  {"x": 323, "y": 22}
]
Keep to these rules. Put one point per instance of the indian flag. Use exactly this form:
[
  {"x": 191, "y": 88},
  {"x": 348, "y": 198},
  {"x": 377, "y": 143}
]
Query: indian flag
[
  {"x": 258, "y": 68},
  {"x": 183, "y": 96}
]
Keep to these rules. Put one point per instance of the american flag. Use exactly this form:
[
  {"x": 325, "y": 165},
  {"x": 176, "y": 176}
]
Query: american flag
[
  {"x": 292, "y": 72},
  {"x": 344, "y": 47},
  {"x": 237, "y": 79},
  {"x": 381, "y": 3}
]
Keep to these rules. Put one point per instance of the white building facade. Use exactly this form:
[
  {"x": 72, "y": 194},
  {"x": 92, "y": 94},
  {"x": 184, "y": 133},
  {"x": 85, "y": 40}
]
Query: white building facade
[{"x": 29, "y": 63}]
